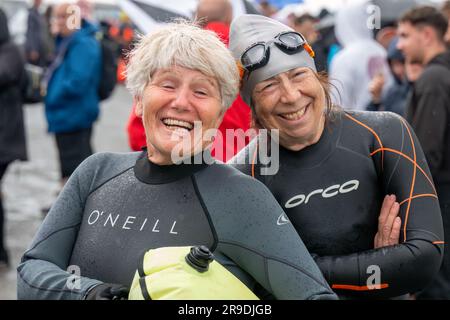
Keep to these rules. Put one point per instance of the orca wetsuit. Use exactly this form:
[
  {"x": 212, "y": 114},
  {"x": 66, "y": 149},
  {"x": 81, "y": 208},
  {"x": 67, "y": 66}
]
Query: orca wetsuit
[
  {"x": 332, "y": 192},
  {"x": 117, "y": 206}
]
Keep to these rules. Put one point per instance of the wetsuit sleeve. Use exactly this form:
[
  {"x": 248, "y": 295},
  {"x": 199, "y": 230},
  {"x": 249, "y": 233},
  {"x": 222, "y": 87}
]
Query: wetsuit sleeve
[
  {"x": 43, "y": 272},
  {"x": 253, "y": 231},
  {"x": 410, "y": 265}
]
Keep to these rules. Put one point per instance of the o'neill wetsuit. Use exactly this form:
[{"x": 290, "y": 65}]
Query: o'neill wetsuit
[
  {"x": 332, "y": 192},
  {"x": 116, "y": 206}
]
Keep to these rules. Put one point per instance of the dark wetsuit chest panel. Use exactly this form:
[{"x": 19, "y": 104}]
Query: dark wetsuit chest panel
[
  {"x": 126, "y": 217},
  {"x": 332, "y": 185},
  {"x": 345, "y": 202},
  {"x": 332, "y": 192}
]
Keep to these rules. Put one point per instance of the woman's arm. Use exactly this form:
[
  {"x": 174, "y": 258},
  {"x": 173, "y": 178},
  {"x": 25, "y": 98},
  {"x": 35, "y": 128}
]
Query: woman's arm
[
  {"x": 409, "y": 266},
  {"x": 44, "y": 272},
  {"x": 253, "y": 231}
]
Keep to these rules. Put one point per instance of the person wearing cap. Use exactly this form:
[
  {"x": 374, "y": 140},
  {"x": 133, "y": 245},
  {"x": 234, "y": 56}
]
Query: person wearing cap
[
  {"x": 117, "y": 206},
  {"x": 334, "y": 169}
]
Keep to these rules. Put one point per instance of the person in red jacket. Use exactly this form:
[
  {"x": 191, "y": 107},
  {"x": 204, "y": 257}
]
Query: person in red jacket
[{"x": 136, "y": 132}]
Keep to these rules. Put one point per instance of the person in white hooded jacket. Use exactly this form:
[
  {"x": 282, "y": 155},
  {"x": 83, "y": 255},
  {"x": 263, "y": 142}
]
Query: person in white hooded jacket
[{"x": 360, "y": 59}]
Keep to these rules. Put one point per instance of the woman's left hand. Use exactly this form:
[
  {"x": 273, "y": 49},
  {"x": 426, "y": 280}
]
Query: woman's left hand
[{"x": 388, "y": 223}]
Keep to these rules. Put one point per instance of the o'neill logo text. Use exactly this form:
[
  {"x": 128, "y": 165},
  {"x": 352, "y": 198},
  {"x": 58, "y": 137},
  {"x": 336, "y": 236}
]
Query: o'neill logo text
[
  {"x": 131, "y": 222},
  {"x": 329, "y": 192}
]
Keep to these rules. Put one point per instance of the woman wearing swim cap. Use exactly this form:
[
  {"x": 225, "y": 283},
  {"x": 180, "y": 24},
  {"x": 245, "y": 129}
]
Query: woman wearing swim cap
[{"x": 335, "y": 168}]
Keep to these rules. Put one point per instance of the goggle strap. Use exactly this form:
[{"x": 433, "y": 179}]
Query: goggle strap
[
  {"x": 308, "y": 49},
  {"x": 241, "y": 69}
]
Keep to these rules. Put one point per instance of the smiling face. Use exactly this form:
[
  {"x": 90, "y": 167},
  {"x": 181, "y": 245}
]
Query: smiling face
[
  {"x": 171, "y": 103},
  {"x": 294, "y": 103}
]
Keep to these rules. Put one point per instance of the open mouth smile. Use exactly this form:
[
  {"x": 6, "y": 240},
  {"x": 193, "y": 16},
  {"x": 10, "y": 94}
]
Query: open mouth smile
[
  {"x": 178, "y": 125},
  {"x": 297, "y": 115}
]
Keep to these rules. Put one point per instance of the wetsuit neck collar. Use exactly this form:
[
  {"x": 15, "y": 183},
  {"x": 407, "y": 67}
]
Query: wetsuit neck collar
[
  {"x": 315, "y": 154},
  {"x": 151, "y": 173}
]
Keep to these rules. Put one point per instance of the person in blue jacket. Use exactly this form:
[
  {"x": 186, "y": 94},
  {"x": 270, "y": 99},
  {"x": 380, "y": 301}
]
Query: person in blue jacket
[{"x": 72, "y": 80}]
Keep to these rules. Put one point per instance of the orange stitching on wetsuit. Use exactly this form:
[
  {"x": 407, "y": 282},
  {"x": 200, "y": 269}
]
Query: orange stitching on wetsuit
[
  {"x": 374, "y": 133},
  {"x": 359, "y": 288},
  {"x": 438, "y": 242},
  {"x": 253, "y": 160},
  {"x": 382, "y": 149},
  {"x": 419, "y": 196},
  {"x": 413, "y": 183},
  {"x": 409, "y": 159}
]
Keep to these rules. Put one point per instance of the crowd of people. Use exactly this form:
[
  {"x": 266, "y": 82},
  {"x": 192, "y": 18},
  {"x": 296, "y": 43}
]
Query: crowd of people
[
  {"x": 348, "y": 169},
  {"x": 76, "y": 70}
]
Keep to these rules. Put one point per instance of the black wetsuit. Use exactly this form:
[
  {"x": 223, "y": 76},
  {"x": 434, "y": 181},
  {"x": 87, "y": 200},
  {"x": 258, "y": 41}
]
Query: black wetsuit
[
  {"x": 117, "y": 206},
  {"x": 332, "y": 192}
]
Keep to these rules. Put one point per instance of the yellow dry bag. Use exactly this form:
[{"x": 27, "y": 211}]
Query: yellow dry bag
[{"x": 185, "y": 273}]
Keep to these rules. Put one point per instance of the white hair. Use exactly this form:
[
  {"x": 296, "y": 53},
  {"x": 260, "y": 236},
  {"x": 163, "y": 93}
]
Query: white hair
[{"x": 186, "y": 45}]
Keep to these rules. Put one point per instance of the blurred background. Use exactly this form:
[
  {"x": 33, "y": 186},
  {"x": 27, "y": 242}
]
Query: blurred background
[{"x": 29, "y": 187}]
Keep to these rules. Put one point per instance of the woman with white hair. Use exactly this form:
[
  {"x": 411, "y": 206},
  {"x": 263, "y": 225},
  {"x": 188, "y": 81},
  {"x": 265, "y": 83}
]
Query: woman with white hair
[{"x": 116, "y": 206}]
